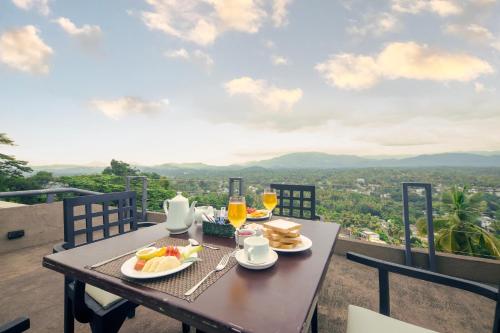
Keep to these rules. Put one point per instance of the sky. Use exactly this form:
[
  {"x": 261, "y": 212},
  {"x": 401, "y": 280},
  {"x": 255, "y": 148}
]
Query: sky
[{"x": 230, "y": 81}]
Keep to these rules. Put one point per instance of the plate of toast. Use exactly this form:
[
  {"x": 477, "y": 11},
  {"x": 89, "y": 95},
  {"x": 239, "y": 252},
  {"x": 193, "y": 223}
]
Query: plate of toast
[{"x": 284, "y": 236}]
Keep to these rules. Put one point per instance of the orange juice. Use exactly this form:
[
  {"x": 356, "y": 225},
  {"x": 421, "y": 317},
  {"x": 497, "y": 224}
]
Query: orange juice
[
  {"x": 269, "y": 200},
  {"x": 237, "y": 213}
]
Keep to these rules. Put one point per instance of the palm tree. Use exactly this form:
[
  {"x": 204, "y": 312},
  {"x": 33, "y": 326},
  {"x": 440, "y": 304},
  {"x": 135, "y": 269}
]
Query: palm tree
[{"x": 459, "y": 232}]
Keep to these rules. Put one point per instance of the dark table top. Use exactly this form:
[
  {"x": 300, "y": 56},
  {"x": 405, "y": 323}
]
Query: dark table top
[{"x": 279, "y": 299}]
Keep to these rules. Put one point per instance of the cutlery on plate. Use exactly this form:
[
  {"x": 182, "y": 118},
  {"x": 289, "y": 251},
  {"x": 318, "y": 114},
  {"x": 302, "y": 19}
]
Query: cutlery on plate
[
  {"x": 194, "y": 242},
  {"x": 220, "y": 266},
  {"x": 121, "y": 255}
]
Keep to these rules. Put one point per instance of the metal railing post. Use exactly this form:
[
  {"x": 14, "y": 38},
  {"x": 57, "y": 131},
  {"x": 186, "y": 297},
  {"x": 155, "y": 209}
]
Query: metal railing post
[
  {"x": 144, "y": 199},
  {"x": 232, "y": 181},
  {"x": 430, "y": 224},
  {"x": 406, "y": 220},
  {"x": 50, "y": 198}
]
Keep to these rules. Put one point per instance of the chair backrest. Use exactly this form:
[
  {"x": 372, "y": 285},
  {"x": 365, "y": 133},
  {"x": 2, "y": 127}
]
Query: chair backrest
[
  {"x": 111, "y": 213},
  {"x": 384, "y": 267},
  {"x": 296, "y": 201}
]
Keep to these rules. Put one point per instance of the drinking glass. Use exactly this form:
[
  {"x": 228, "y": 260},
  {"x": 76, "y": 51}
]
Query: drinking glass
[
  {"x": 270, "y": 200},
  {"x": 237, "y": 213}
]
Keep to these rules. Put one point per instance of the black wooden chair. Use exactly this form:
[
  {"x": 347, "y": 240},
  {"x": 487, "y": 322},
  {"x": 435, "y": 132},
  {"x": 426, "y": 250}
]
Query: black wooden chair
[
  {"x": 88, "y": 219},
  {"x": 296, "y": 201},
  {"x": 16, "y": 326},
  {"x": 360, "y": 319}
]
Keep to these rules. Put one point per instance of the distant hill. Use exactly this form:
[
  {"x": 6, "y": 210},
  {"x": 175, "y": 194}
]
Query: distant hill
[
  {"x": 68, "y": 170},
  {"x": 327, "y": 161},
  {"x": 311, "y": 161},
  {"x": 303, "y": 161}
]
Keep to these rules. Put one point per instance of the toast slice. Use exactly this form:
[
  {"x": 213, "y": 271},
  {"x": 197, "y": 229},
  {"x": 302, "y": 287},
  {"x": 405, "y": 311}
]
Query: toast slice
[
  {"x": 282, "y": 226},
  {"x": 274, "y": 244},
  {"x": 286, "y": 240}
]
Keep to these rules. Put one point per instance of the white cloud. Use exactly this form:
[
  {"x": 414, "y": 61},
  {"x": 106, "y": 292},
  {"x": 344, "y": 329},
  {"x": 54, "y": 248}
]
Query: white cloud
[
  {"x": 270, "y": 96},
  {"x": 401, "y": 60},
  {"x": 279, "y": 60},
  {"x": 478, "y": 87},
  {"x": 89, "y": 31},
  {"x": 471, "y": 31},
  {"x": 243, "y": 15},
  {"x": 440, "y": 7},
  {"x": 280, "y": 12},
  {"x": 180, "y": 53},
  {"x": 474, "y": 33},
  {"x": 24, "y": 50},
  {"x": 202, "y": 21},
  {"x": 375, "y": 25},
  {"x": 41, "y": 5},
  {"x": 118, "y": 108},
  {"x": 348, "y": 71},
  {"x": 197, "y": 56},
  {"x": 203, "y": 57},
  {"x": 89, "y": 36}
]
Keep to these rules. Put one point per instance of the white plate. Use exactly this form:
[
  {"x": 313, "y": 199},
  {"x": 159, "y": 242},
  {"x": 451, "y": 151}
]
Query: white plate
[
  {"x": 243, "y": 260},
  {"x": 306, "y": 244},
  {"x": 129, "y": 271},
  {"x": 263, "y": 218}
]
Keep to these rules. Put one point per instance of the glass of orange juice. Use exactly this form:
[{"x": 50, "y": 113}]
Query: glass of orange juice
[
  {"x": 270, "y": 200},
  {"x": 237, "y": 213}
]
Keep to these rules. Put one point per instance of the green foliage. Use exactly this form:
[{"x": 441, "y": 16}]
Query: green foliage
[
  {"x": 11, "y": 169},
  {"x": 461, "y": 234},
  {"x": 119, "y": 168}
]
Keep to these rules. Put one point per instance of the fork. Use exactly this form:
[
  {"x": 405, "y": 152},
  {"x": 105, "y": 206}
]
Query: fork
[{"x": 220, "y": 266}]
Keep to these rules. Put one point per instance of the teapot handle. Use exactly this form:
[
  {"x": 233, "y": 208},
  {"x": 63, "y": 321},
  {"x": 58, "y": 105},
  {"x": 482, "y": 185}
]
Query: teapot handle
[{"x": 165, "y": 206}]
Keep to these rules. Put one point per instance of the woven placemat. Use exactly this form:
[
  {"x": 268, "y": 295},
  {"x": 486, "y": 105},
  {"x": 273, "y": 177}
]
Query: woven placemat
[{"x": 177, "y": 284}]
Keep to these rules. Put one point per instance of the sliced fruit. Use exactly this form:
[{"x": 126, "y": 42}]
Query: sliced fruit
[
  {"x": 190, "y": 251},
  {"x": 148, "y": 253},
  {"x": 139, "y": 265}
]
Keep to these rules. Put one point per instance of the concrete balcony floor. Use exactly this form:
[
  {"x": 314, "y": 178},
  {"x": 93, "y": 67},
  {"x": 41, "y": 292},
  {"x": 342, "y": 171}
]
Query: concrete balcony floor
[{"x": 26, "y": 288}]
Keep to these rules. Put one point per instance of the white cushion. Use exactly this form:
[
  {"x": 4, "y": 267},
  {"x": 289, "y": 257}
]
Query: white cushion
[
  {"x": 104, "y": 298},
  {"x": 361, "y": 320}
]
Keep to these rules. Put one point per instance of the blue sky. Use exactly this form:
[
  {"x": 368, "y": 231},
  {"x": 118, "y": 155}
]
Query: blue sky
[{"x": 221, "y": 81}]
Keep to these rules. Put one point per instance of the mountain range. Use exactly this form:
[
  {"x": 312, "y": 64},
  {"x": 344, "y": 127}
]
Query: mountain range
[{"x": 308, "y": 160}]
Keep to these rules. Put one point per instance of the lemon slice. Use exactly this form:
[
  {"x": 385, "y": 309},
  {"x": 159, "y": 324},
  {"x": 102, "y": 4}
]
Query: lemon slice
[{"x": 148, "y": 253}]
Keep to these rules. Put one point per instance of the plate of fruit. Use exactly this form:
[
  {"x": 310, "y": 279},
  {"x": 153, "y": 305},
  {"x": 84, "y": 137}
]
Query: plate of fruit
[
  {"x": 154, "y": 262},
  {"x": 257, "y": 214}
]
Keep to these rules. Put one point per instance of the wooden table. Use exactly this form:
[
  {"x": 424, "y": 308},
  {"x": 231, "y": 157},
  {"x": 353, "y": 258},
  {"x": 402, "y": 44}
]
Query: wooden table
[{"x": 280, "y": 299}]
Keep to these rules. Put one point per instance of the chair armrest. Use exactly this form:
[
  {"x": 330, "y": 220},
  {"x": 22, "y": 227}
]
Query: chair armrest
[
  {"x": 59, "y": 248},
  {"x": 422, "y": 274},
  {"x": 18, "y": 325},
  {"x": 145, "y": 224}
]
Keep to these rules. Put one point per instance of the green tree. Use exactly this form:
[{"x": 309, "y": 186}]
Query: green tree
[
  {"x": 119, "y": 168},
  {"x": 460, "y": 233},
  {"x": 11, "y": 169}
]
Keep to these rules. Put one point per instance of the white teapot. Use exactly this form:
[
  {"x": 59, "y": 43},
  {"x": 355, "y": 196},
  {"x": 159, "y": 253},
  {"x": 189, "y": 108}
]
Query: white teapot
[{"x": 180, "y": 215}]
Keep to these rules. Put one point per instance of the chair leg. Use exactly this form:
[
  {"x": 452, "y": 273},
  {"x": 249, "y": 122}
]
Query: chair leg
[
  {"x": 131, "y": 313},
  {"x": 69, "y": 318},
  {"x": 185, "y": 328},
  {"x": 314, "y": 321},
  {"x": 106, "y": 325}
]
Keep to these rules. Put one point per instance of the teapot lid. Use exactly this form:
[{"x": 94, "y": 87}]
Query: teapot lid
[{"x": 179, "y": 198}]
